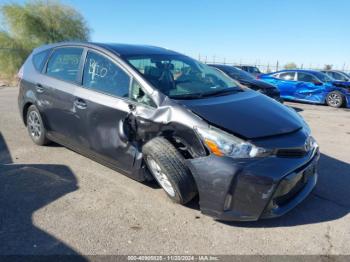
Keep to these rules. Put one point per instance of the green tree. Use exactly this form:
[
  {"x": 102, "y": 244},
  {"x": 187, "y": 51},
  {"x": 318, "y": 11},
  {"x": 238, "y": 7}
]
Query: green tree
[
  {"x": 32, "y": 24},
  {"x": 290, "y": 66}
]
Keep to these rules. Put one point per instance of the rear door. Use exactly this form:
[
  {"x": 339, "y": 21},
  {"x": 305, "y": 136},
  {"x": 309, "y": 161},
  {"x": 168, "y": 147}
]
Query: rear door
[
  {"x": 108, "y": 105},
  {"x": 61, "y": 77}
]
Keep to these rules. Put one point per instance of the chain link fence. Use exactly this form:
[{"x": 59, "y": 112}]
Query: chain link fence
[{"x": 270, "y": 67}]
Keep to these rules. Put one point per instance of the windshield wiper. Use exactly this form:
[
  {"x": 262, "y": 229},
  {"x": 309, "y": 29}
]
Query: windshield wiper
[
  {"x": 222, "y": 92},
  {"x": 187, "y": 96},
  {"x": 207, "y": 94}
]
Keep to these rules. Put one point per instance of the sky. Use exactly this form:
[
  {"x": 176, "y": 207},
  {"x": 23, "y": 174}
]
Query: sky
[{"x": 307, "y": 32}]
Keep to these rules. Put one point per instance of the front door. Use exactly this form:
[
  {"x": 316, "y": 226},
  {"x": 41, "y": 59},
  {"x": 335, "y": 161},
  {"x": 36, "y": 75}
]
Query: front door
[
  {"x": 309, "y": 88},
  {"x": 105, "y": 96}
]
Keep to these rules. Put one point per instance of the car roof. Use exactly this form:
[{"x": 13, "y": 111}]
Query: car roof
[
  {"x": 221, "y": 65},
  {"x": 246, "y": 66},
  {"x": 132, "y": 49},
  {"x": 297, "y": 70},
  {"x": 119, "y": 49},
  {"x": 225, "y": 66},
  {"x": 337, "y": 71}
]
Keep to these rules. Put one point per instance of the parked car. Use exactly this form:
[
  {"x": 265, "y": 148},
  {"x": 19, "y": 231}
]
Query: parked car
[
  {"x": 310, "y": 86},
  {"x": 249, "y": 81},
  {"x": 151, "y": 113},
  {"x": 337, "y": 75},
  {"x": 250, "y": 69}
]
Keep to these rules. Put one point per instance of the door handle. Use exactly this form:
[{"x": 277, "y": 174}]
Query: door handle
[
  {"x": 80, "y": 103},
  {"x": 39, "y": 88}
]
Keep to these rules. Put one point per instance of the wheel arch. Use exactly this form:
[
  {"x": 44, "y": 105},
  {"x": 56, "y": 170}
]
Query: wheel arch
[
  {"x": 184, "y": 161},
  {"x": 25, "y": 111}
]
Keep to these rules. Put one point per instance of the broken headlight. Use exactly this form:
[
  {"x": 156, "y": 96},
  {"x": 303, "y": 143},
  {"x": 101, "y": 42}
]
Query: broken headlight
[{"x": 221, "y": 143}]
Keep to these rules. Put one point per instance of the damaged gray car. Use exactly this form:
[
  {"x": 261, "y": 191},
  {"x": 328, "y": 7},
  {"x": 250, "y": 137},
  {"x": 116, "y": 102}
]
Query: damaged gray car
[{"x": 151, "y": 113}]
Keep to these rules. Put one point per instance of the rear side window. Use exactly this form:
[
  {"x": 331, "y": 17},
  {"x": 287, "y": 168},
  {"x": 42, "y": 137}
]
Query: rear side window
[
  {"x": 39, "y": 59},
  {"x": 64, "y": 63},
  {"x": 287, "y": 76},
  {"x": 103, "y": 75}
]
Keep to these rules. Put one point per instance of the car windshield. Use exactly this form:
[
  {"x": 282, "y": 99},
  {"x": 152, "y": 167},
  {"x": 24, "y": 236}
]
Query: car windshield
[
  {"x": 237, "y": 73},
  {"x": 323, "y": 77},
  {"x": 181, "y": 77}
]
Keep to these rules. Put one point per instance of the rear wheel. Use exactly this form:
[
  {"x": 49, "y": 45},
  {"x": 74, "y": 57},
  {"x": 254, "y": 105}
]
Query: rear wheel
[
  {"x": 168, "y": 167},
  {"x": 35, "y": 126},
  {"x": 335, "y": 99}
]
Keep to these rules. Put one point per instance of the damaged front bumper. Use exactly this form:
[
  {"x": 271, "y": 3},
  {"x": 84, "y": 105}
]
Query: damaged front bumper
[{"x": 247, "y": 190}]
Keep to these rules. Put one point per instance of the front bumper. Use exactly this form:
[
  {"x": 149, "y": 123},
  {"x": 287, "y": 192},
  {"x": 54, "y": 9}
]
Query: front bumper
[{"x": 247, "y": 190}]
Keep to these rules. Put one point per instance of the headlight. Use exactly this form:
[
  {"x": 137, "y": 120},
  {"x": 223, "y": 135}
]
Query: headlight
[
  {"x": 311, "y": 143},
  {"x": 221, "y": 143}
]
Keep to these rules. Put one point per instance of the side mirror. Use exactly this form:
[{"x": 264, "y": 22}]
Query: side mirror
[
  {"x": 317, "y": 83},
  {"x": 132, "y": 107}
]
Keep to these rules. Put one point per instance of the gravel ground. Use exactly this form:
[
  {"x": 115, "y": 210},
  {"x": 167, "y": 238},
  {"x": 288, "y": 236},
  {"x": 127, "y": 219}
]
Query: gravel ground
[{"x": 55, "y": 201}]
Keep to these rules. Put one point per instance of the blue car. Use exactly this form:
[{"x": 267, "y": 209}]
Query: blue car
[
  {"x": 310, "y": 86},
  {"x": 337, "y": 75}
]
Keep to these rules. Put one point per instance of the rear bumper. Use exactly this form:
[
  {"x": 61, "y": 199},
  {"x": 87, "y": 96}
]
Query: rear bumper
[{"x": 234, "y": 190}]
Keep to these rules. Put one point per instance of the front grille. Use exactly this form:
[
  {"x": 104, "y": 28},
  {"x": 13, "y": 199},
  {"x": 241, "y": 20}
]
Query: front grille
[{"x": 291, "y": 152}]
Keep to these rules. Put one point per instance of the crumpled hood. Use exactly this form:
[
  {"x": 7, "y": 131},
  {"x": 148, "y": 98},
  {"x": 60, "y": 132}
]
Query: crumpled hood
[{"x": 247, "y": 114}]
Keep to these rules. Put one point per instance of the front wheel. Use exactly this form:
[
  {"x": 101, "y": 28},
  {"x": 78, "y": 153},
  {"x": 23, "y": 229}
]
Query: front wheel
[
  {"x": 168, "y": 167},
  {"x": 335, "y": 99},
  {"x": 35, "y": 126}
]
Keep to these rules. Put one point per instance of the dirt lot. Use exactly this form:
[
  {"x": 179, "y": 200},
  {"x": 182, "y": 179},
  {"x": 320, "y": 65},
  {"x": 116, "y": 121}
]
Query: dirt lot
[{"x": 53, "y": 200}]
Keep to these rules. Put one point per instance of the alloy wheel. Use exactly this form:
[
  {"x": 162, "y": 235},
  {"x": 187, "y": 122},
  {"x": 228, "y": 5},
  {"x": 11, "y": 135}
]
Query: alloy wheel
[
  {"x": 34, "y": 124},
  {"x": 159, "y": 175},
  {"x": 334, "y": 99}
]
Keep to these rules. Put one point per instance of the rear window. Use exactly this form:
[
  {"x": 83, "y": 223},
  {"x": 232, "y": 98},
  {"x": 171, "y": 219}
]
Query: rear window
[{"x": 39, "y": 59}]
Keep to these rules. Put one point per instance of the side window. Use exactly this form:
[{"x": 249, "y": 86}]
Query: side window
[
  {"x": 255, "y": 70},
  {"x": 289, "y": 76},
  {"x": 39, "y": 59},
  {"x": 334, "y": 75},
  {"x": 330, "y": 74},
  {"x": 306, "y": 78},
  {"x": 338, "y": 76},
  {"x": 139, "y": 96},
  {"x": 64, "y": 63},
  {"x": 103, "y": 75}
]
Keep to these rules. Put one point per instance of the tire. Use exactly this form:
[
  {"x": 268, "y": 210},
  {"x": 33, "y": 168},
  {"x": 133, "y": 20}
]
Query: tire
[
  {"x": 35, "y": 126},
  {"x": 168, "y": 168},
  {"x": 335, "y": 99}
]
